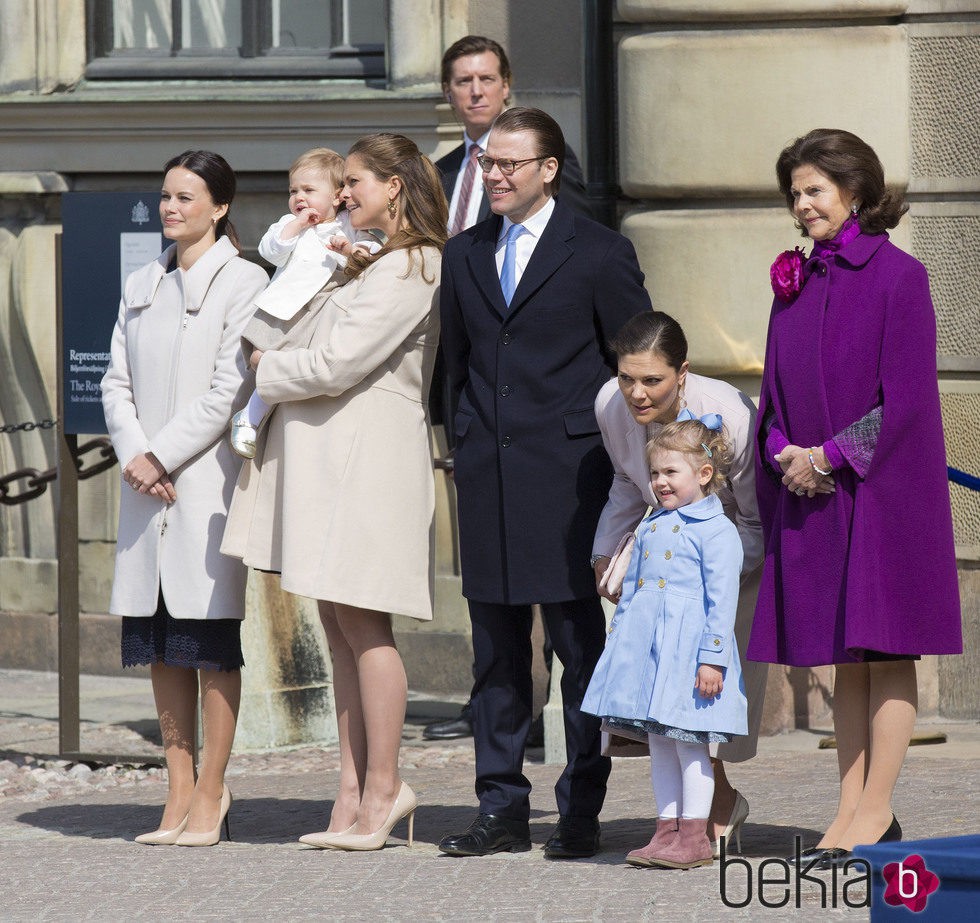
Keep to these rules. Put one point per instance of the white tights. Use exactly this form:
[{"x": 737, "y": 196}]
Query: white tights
[{"x": 683, "y": 781}]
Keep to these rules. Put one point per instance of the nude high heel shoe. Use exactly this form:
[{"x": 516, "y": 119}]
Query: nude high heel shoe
[
  {"x": 404, "y": 806},
  {"x": 163, "y": 837},
  {"x": 324, "y": 840},
  {"x": 734, "y": 827},
  {"x": 210, "y": 837}
]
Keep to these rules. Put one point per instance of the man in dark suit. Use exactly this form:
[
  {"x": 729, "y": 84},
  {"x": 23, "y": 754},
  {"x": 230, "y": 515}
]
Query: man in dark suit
[
  {"x": 476, "y": 78},
  {"x": 528, "y": 299}
]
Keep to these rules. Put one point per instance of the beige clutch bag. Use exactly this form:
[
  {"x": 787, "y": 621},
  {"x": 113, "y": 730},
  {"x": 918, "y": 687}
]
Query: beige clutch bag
[{"x": 612, "y": 579}]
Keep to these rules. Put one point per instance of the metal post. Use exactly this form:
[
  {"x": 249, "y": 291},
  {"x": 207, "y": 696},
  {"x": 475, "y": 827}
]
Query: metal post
[
  {"x": 600, "y": 143},
  {"x": 69, "y": 717}
]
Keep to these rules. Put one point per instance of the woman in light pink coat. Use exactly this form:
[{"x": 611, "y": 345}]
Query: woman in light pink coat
[{"x": 654, "y": 383}]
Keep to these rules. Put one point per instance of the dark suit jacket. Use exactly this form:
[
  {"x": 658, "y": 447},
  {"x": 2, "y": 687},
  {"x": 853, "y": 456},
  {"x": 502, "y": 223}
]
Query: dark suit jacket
[
  {"x": 572, "y": 193},
  {"x": 531, "y": 473}
]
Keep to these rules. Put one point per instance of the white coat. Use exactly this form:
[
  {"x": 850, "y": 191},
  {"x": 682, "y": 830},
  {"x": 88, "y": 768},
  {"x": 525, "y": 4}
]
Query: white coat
[
  {"x": 175, "y": 374},
  {"x": 340, "y": 496}
]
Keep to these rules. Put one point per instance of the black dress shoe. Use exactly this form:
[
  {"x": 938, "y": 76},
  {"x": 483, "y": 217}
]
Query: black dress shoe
[
  {"x": 811, "y": 852},
  {"x": 452, "y": 729},
  {"x": 574, "y": 838},
  {"x": 489, "y": 833},
  {"x": 838, "y": 856},
  {"x": 835, "y": 857}
]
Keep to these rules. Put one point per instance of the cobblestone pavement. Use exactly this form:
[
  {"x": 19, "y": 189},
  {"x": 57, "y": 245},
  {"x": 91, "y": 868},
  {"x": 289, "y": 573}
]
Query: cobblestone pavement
[{"x": 66, "y": 829}]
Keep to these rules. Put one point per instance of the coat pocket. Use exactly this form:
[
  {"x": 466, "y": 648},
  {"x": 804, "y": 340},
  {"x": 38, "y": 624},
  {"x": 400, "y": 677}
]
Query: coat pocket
[
  {"x": 581, "y": 423},
  {"x": 461, "y": 423}
]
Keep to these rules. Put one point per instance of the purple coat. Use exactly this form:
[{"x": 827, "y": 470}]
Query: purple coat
[{"x": 871, "y": 566}]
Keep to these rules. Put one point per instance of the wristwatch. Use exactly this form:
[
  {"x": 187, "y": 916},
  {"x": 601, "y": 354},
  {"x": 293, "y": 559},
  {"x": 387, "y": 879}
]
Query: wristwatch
[{"x": 595, "y": 559}]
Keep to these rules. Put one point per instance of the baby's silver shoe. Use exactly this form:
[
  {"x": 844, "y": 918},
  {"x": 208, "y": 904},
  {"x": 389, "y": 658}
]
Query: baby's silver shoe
[{"x": 243, "y": 434}]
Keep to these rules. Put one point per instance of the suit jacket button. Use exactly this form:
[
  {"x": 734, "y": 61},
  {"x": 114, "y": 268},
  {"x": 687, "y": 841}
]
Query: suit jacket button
[
  {"x": 505, "y": 337},
  {"x": 504, "y": 391},
  {"x": 505, "y": 441}
]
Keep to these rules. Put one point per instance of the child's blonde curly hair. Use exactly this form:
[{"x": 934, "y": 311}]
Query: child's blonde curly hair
[{"x": 705, "y": 446}]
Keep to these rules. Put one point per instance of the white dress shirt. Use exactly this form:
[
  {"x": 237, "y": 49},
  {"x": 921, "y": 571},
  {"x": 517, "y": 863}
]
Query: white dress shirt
[{"x": 526, "y": 242}]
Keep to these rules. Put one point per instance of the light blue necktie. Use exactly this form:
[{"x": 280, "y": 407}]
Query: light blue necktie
[{"x": 508, "y": 273}]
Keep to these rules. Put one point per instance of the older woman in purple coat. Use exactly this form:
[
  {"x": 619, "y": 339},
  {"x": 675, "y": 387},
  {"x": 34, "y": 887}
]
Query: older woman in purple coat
[{"x": 851, "y": 465}]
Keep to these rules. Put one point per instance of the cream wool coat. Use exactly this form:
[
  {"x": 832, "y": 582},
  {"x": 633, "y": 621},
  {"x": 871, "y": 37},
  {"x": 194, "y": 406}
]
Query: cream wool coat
[
  {"x": 175, "y": 374},
  {"x": 340, "y": 495}
]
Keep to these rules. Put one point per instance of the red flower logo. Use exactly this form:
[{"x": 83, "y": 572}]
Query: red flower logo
[
  {"x": 786, "y": 273},
  {"x": 909, "y": 882}
]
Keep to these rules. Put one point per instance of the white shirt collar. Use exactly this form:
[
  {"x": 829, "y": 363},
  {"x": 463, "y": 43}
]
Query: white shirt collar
[
  {"x": 534, "y": 225},
  {"x": 481, "y": 142}
]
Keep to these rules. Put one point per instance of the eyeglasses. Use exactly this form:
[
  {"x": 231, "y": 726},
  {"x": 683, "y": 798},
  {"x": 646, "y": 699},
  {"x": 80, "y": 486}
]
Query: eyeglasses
[{"x": 507, "y": 167}]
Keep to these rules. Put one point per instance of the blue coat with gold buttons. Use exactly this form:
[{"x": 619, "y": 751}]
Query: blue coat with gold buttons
[{"x": 677, "y": 611}]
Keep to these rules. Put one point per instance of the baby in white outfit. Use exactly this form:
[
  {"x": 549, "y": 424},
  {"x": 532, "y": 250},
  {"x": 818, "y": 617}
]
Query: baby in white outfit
[{"x": 305, "y": 246}]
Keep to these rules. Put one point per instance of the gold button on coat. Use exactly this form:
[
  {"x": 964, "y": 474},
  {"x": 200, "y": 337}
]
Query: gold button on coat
[
  {"x": 717, "y": 643},
  {"x": 668, "y": 555},
  {"x": 653, "y": 528},
  {"x": 646, "y": 554},
  {"x": 640, "y": 583},
  {"x": 676, "y": 529},
  {"x": 661, "y": 583}
]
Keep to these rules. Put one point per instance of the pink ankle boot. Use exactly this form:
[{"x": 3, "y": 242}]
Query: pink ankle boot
[
  {"x": 665, "y": 835},
  {"x": 690, "y": 848}
]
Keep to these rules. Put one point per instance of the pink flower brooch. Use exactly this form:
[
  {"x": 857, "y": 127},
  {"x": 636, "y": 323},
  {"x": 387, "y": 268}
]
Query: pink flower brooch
[{"x": 786, "y": 274}]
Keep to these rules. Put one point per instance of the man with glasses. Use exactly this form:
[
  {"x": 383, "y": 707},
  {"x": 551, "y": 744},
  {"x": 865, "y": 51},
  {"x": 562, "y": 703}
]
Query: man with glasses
[
  {"x": 476, "y": 78},
  {"x": 528, "y": 299}
]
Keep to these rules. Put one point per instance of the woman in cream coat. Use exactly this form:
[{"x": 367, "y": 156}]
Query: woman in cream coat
[
  {"x": 652, "y": 386},
  {"x": 174, "y": 377},
  {"x": 340, "y": 495}
]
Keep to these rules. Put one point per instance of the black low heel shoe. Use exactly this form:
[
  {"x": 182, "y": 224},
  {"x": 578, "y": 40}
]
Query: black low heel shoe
[
  {"x": 811, "y": 852},
  {"x": 838, "y": 857}
]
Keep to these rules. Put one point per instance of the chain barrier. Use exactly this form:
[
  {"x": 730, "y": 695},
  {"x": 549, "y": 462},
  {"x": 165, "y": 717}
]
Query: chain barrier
[
  {"x": 26, "y": 427},
  {"x": 35, "y": 482}
]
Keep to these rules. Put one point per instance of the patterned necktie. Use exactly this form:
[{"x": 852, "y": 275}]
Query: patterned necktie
[
  {"x": 465, "y": 189},
  {"x": 508, "y": 272}
]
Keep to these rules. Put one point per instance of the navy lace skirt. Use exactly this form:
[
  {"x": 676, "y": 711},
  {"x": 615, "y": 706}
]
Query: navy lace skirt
[{"x": 198, "y": 644}]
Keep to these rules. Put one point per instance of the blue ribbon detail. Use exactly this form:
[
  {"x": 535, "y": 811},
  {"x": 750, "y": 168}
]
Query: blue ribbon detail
[
  {"x": 711, "y": 420},
  {"x": 963, "y": 479}
]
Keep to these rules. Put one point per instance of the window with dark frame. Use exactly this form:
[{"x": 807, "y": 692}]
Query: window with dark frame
[{"x": 215, "y": 39}]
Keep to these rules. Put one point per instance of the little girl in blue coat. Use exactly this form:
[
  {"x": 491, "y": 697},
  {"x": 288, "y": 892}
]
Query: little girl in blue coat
[{"x": 671, "y": 667}]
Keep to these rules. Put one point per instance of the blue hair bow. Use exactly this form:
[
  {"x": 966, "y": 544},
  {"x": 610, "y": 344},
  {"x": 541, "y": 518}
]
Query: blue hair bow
[{"x": 711, "y": 420}]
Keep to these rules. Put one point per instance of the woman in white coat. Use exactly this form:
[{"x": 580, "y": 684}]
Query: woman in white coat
[
  {"x": 340, "y": 495},
  {"x": 175, "y": 375},
  {"x": 654, "y": 383}
]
